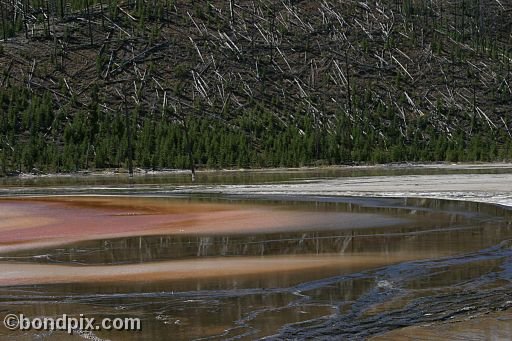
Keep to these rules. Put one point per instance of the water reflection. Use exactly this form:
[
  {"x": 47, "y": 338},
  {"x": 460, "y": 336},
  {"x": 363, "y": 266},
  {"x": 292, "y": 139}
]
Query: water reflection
[
  {"x": 424, "y": 226},
  {"x": 236, "y": 177},
  {"x": 440, "y": 260}
]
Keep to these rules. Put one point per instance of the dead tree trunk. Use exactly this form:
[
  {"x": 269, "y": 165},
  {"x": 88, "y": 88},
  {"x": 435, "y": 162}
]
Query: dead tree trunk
[
  {"x": 349, "y": 95},
  {"x": 232, "y": 12},
  {"x": 129, "y": 138},
  {"x": 3, "y": 20},
  {"x": 48, "y": 18},
  {"x": 25, "y": 21},
  {"x": 89, "y": 20},
  {"x": 190, "y": 147},
  {"x": 102, "y": 15}
]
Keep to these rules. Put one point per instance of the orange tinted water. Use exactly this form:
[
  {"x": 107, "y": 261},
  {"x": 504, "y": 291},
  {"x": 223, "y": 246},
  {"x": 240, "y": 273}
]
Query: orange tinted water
[{"x": 247, "y": 269}]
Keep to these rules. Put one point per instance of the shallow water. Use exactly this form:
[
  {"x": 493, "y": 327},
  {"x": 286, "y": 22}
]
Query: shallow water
[
  {"x": 296, "y": 175},
  {"x": 319, "y": 268}
]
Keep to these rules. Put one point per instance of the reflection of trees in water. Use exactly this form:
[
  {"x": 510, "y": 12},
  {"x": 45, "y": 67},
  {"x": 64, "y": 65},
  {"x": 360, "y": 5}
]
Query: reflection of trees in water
[
  {"x": 433, "y": 239},
  {"x": 437, "y": 226},
  {"x": 366, "y": 302}
]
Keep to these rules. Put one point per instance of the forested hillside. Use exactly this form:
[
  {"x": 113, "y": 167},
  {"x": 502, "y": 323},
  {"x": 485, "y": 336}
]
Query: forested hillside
[{"x": 239, "y": 83}]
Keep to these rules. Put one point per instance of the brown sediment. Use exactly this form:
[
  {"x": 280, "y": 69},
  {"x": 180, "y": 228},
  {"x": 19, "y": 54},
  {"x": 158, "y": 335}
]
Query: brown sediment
[
  {"x": 12, "y": 219},
  {"x": 42, "y": 222},
  {"x": 493, "y": 326},
  {"x": 22, "y": 274}
]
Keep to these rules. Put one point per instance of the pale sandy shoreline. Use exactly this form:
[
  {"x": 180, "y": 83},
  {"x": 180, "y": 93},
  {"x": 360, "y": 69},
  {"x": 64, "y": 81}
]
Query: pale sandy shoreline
[{"x": 487, "y": 188}]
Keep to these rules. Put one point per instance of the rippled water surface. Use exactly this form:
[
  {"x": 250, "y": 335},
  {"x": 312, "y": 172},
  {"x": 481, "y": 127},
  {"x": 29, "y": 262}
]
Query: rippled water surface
[{"x": 322, "y": 268}]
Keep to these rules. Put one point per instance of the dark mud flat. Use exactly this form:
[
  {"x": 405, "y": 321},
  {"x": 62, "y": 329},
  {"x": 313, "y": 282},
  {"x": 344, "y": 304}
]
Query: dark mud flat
[{"x": 419, "y": 262}]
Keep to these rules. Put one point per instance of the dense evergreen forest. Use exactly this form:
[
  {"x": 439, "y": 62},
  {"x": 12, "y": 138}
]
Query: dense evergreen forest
[{"x": 94, "y": 84}]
